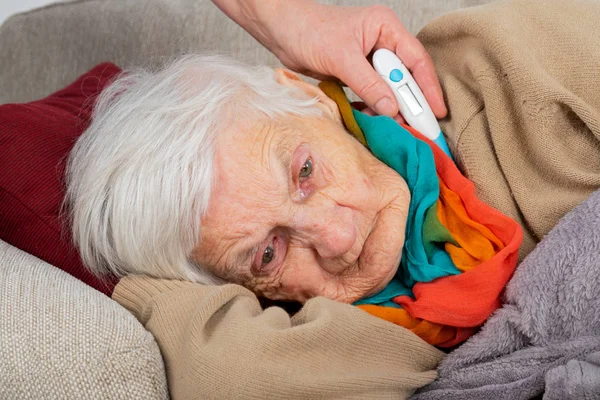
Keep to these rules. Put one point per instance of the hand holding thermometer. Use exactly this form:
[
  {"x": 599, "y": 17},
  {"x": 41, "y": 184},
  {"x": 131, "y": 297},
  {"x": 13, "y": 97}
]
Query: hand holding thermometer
[{"x": 413, "y": 106}]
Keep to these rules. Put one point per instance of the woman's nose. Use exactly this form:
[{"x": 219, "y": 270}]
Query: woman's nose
[{"x": 327, "y": 227}]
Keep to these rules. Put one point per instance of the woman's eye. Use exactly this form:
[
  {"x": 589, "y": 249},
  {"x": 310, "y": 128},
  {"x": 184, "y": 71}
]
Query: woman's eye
[
  {"x": 268, "y": 255},
  {"x": 306, "y": 170}
]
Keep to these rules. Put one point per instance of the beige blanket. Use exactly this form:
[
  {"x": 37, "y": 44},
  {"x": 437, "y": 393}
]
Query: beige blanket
[{"x": 522, "y": 83}]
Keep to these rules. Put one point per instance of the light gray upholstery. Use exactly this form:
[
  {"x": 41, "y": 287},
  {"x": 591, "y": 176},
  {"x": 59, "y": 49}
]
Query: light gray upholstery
[{"x": 62, "y": 339}]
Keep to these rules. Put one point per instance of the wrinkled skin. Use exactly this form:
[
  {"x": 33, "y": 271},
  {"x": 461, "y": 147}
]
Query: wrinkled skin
[{"x": 328, "y": 219}]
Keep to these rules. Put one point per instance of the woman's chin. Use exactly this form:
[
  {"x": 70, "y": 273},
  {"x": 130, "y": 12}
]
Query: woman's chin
[{"x": 384, "y": 282}]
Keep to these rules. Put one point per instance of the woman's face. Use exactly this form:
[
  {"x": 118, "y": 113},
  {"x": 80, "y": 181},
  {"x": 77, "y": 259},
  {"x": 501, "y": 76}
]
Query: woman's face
[{"x": 301, "y": 209}]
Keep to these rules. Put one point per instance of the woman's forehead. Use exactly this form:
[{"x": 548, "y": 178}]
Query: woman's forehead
[
  {"x": 251, "y": 171},
  {"x": 256, "y": 139},
  {"x": 254, "y": 153}
]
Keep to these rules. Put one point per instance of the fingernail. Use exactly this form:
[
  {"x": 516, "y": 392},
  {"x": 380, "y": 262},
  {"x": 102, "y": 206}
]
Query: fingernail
[{"x": 384, "y": 107}]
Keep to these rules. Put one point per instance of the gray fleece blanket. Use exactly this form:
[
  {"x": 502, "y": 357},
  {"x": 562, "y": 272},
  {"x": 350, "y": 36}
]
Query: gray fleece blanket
[{"x": 546, "y": 337}]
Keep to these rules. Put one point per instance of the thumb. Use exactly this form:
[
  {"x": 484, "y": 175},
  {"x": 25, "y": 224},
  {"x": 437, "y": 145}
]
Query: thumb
[{"x": 359, "y": 75}]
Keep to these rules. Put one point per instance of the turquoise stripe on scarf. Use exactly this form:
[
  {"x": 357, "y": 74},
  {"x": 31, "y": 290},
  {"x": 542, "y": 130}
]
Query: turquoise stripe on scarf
[{"x": 413, "y": 160}]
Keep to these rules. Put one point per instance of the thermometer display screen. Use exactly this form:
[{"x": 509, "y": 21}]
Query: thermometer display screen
[{"x": 410, "y": 100}]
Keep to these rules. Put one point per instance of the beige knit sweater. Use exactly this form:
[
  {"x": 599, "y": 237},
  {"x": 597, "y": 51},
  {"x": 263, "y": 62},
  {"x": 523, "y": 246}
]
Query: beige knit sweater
[
  {"x": 218, "y": 343},
  {"x": 522, "y": 84}
]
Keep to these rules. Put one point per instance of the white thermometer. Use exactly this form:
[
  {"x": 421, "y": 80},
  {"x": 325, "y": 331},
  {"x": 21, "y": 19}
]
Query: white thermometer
[{"x": 413, "y": 106}]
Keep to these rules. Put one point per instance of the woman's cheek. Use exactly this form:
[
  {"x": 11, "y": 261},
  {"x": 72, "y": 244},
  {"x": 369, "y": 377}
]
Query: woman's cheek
[
  {"x": 291, "y": 287},
  {"x": 324, "y": 175},
  {"x": 302, "y": 277}
]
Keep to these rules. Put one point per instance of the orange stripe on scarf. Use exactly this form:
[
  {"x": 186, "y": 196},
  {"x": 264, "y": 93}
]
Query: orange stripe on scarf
[
  {"x": 466, "y": 300},
  {"x": 477, "y": 242}
]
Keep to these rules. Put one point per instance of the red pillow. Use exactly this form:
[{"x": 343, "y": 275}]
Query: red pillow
[{"x": 35, "y": 140}]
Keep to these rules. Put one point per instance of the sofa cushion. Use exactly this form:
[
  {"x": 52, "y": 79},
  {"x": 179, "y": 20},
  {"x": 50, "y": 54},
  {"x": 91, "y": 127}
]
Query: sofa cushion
[
  {"x": 68, "y": 39},
  {"x": 61, "y": 339},
  {"x": 35, "y": 139}
]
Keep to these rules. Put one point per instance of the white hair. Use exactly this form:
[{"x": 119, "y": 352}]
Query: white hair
[{"x": 139, "y": 178}]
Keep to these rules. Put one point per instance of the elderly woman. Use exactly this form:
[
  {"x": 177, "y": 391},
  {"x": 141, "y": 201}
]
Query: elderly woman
[{"x": 210, "y": 171}]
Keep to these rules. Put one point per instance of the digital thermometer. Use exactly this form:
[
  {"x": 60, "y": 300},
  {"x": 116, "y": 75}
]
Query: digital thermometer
[{"x": 413, "y": 106}]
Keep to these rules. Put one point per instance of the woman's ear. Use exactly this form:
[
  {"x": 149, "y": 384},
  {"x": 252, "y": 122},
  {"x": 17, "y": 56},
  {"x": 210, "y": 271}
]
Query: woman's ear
[{"x": 328, "y": 106}]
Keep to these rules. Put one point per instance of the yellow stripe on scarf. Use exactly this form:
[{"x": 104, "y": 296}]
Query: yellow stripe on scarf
[{"x": 335, "y": 92}]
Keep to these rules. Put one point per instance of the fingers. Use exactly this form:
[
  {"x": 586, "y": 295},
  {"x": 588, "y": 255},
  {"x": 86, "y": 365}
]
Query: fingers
[
  {"x": 359, "y": 75},
  {"x": 356, "y": 72},
  {"x": 399, "y": 119},
  {"x": 369, "y": 112},
  {"x": 417, "y": 60},
  {"x": 393, "y": 35}
]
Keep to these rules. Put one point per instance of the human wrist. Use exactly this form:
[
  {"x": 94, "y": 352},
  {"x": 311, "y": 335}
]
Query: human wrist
[{"x": 258, "y": 17}]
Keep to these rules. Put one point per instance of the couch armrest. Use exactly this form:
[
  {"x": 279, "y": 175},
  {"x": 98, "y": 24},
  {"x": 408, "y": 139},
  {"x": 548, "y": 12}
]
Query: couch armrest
[{"x": 62, "y": 339}]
